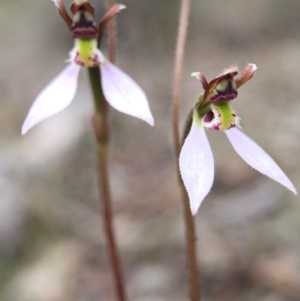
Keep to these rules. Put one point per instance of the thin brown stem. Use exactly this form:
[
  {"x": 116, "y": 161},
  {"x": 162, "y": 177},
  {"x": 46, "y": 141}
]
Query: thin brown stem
[
  {"x": 102, "y": 133},
  {"x": 101, "y": 129},
  {"x": 191, "y": 244},
  {"x": 179, "y": 55},
  {"x": 191, "y": 236},
  {"x": 111, "y": 34}
]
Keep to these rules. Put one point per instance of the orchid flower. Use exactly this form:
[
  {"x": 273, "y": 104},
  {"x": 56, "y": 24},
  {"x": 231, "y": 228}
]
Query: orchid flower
[
  {"x": 120, "y": 90},
  {"x": 213, "y": 111}
]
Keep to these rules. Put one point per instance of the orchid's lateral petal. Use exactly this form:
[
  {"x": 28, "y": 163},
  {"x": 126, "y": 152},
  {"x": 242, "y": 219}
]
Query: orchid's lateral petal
[
  {"x": 202, "y": 79},
  {"x": 196, "y": 166},
  {"x": 247, "y": 74},
  {"x": 111, "y": 13},
  {"x": 124, "y": 94},
  {"x": 63, "y": 12},
  {"x": 54, "y": 98},
  {"x": 256, "y": 157}
]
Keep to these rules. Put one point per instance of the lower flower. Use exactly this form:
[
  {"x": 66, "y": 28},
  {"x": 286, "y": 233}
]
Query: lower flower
[{"x": 213, "y": 111}]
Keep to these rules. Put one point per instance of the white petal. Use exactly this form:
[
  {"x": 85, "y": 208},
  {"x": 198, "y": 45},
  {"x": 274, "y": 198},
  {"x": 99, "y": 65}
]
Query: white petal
[
  {"x": 124, "y": 94},
  {"x": 196, "y": 164},
  {"x": 57, "y": 95},
  {"x": 256, "y": 157}
]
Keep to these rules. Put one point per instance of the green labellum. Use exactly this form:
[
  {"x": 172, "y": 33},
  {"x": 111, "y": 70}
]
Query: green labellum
[
  {"x": 225, "y": 115},
  {"x": 86, "y": 53}
]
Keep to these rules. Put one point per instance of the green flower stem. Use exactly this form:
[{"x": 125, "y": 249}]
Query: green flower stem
[
  {"x": 191, "y": 244},
  {"x": 101, "y": 129},
  {"x": 188, "y": 125}
]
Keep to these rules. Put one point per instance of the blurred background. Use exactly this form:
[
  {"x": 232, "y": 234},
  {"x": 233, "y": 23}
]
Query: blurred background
[{"x": 51, "y": 236}]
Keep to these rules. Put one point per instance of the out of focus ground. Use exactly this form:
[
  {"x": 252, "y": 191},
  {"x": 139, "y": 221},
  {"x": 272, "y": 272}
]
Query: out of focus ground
[{"x": 51, "y": 237}]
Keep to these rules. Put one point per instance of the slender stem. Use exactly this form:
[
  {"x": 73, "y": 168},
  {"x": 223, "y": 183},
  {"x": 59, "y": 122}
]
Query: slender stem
[
  {"x": 179, "y": 55},
  {"x": 191, "y": 236},
  {"x": 111, "y": 34},
  {"x": 101, "y": 129},
  {"x": 191, "y": 244}
]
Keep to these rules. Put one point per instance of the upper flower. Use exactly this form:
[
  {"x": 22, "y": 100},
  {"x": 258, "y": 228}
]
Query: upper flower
[
  {"x": 119, "y": 89},
  {"x": 213, "y": 111}
]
